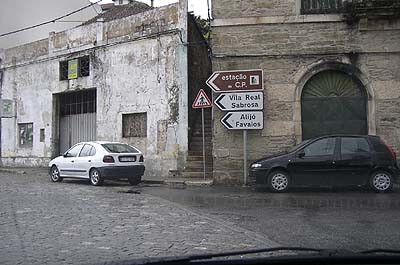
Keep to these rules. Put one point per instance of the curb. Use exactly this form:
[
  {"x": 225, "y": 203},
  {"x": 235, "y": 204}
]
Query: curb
[
  {"x": 9, "y": 170},
  {"x": 189, "y": 182}
]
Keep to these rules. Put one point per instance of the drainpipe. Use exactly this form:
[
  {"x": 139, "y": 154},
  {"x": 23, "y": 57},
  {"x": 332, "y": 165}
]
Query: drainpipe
[{"x": 1, "y": 102}]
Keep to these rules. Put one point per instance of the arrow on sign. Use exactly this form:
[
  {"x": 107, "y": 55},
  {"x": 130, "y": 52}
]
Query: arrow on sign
[
  {"x": 225, "y": 121},
  {"x": 243, "y": 120},
  {"x": 218, "y": 102}
]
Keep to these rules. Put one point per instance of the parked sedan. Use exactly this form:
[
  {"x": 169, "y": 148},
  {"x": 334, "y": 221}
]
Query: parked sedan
[
  {"x": 98, "y": 161},
  {"x": 334, "y": 160}
]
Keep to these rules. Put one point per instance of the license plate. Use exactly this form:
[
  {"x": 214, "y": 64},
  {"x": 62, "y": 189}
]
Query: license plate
[{"x": 127, "y": 159}]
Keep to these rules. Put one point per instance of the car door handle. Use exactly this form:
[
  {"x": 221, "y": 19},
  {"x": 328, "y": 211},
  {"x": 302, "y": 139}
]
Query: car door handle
[
  {"x": 72, "y": 161},
  {"x": 89, "y": 161}
]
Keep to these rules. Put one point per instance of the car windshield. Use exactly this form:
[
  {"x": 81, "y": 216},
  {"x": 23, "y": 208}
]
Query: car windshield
[{"x": 119, "y": 148}]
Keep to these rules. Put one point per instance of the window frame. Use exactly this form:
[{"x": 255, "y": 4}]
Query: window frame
[
  {"x": 29, "y": 142},
  {"x": 354, "y": 153},
  {"x": 82, "y": 71},
  {"x": 303, "y": 10},
  {"x": 89, "y": 152},
  {"x": 68, "y": 151},
  {"x": 321, "y": 155}
]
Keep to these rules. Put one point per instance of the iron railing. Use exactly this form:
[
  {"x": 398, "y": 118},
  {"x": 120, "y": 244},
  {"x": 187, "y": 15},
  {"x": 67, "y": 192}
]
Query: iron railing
[{"x": 322, "y": 6}]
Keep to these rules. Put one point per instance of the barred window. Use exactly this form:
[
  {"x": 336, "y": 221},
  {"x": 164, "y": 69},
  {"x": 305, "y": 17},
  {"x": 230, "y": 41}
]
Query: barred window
[
  {"x": 322, "y": 6},
  {"x": 134, "y": 125},
  {"x": 83, "y": 67},
  {"x": 79, "y": 102}
]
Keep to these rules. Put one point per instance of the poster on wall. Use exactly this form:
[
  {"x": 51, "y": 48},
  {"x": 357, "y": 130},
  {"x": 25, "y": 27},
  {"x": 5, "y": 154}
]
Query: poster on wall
[{"x": 7, "y": 108}]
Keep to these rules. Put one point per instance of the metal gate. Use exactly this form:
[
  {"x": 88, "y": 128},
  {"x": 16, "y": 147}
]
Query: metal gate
[
  {"x": 77, "y": 118},
  {"x": 333, "y": 102}
]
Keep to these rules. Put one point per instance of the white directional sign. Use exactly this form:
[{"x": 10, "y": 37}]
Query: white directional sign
[
  {"x": 240, "y": 101},
  {"x": 243, "y": 120}
]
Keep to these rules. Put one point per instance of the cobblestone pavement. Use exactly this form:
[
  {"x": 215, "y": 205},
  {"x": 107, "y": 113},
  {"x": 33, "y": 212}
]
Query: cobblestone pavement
[{"x": 75, "y": 223}]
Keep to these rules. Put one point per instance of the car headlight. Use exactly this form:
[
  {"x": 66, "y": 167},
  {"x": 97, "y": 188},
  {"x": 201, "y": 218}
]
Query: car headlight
[{"x": 256, "y": 165}]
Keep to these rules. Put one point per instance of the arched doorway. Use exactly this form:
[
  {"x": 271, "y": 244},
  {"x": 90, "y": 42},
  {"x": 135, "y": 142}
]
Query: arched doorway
[{"x": 333, "y": 102}]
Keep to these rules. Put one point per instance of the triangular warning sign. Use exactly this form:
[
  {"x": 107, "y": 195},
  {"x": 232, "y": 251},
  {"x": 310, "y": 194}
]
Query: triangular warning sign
[{"x": 201, "y": 101}]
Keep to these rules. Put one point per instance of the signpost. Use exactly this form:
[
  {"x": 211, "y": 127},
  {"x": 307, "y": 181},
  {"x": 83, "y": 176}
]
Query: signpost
[
  {"x": 240, "y": 101},
  {"x": 201, "y": 102},
  {"x": 230, "y": 81},
  {"x": 244, "y": 106}
]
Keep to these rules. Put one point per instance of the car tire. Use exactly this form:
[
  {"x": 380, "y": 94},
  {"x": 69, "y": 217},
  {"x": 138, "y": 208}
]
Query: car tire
[
  {"x": 278, "y": 181},
  {"x": 134, "y": 181},
  {"x": 95, "y": 177},
  {"x": 55, "y": 174},
  {"x": 381, "y": 181}
]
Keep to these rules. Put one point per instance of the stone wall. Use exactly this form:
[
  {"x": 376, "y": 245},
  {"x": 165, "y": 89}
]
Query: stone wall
[
  {"x": 288, "y": 50},
  {"x": 251, "y": 8}
]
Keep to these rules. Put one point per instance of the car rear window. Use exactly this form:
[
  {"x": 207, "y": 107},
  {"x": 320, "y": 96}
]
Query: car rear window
[{"x": 120, "y": 148}]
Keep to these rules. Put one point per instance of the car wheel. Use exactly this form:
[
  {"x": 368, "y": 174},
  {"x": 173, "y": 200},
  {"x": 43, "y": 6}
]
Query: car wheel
[
  {"x": 134, "y": 181},
  {"x": 278, "y": 181},
  {"x": 381, "y": 181},
  {"x": 95, "y": 177},
  {"x": 55, "y": 174}
]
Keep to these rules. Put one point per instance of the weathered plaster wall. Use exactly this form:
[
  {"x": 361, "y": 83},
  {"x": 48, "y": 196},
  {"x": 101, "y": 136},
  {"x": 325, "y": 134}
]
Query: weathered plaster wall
[
  {"x": 137, "y": 64},
  {"x": 287, "y": 50},
  {"x": 140, "y": 77},
  {"x": 30, "y": 87}
]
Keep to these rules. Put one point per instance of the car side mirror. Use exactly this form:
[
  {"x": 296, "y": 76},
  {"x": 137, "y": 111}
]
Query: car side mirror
[
  {"x": 301, "y": 154},
  {"x": 66, "y": 155}
]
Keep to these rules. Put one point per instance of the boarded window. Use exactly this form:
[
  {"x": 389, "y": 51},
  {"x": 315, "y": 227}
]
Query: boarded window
[
  {"x": 82, "y": 68},
  {"x": 25, "y": 134},
  {"x": 134, "y": 125}
]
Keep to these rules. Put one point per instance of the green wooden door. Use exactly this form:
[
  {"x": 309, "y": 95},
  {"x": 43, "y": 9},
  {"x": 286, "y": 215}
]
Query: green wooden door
[{"x": 333, "y": 102}]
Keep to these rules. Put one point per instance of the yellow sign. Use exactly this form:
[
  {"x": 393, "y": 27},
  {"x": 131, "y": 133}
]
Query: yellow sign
[{"x": 73, "y": 69}]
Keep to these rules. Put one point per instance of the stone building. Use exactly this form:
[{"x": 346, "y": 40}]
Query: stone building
[
  {"x": 329, "y": 67},
  {"x": 122, "y": 76}
]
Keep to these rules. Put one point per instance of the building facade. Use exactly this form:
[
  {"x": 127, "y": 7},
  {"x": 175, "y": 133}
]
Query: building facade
[
  {"x": 119, "y": 77},
  {"x": 329, "y": 67}
]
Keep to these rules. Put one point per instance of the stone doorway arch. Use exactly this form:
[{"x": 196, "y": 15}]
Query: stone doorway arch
[{"x": 333, "y": 98}]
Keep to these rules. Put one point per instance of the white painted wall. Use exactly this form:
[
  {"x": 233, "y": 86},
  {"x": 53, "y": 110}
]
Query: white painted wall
[{"x": 135, "y": 70}]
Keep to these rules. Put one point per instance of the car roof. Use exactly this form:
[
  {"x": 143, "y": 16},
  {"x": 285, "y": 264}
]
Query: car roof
[
  {"x": 99, "y": 142},
  {"x": 343, "y": 135}
]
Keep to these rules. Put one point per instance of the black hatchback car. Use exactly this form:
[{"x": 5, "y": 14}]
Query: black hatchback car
[{"x": 333, "y": 160}]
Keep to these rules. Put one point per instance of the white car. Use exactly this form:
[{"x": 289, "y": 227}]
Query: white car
[{"x": 98, "y": 161}]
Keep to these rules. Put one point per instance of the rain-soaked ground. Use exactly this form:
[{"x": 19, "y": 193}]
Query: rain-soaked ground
[{"x": 352, "y": 218}]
